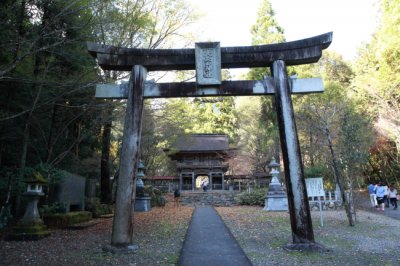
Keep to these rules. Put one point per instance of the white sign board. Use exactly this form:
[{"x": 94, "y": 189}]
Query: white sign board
[{"x": 315, "y": 187}]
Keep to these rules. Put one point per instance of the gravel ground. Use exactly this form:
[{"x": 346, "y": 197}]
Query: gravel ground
[
  {"x": 160, "y": 234},
  {"x": 373, "y": 241}
]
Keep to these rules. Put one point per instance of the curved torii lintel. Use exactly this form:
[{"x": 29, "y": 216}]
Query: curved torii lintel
[{"x": 298, "y": 52}]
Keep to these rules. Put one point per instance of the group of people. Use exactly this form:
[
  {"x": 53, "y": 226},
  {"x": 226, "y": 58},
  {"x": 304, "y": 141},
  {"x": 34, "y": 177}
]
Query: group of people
[{"x": 381, "y": 196}]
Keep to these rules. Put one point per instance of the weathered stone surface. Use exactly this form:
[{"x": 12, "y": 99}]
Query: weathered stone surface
[
  {"x": 122, "y": 223},
  {"x": 71, "y": 192},
  {"x": 326, "y": 205},
  {"x": 227, "y": 88},
  {"x": 142, "y": 204},
  {"x": 220, "y": 198},
  {"x": 276, "y": 203},
  {"x": 208, "y": 63},
  {"x": 299, "y": 52},
  {"x": 128, "y": 249}
]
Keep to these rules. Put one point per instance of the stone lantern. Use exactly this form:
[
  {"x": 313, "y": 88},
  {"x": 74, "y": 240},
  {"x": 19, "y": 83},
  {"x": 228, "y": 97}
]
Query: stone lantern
[
  {"x": 139, "y": 180},
  {"x": 31, "y": 226},
  {"x": 142, "y": 201},
  {"x": 276, "y": 198}
]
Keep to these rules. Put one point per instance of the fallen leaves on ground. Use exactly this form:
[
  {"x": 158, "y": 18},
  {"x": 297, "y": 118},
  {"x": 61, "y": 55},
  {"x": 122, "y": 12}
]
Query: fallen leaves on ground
[
  {"x": 159, "y": 234},
  {"x": 262, "y": 235}
]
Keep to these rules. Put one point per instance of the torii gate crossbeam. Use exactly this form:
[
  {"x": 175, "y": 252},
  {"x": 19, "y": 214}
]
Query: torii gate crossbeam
[
  {"x": 299, "y": 52},
  {"x": 275, "y": 56}
]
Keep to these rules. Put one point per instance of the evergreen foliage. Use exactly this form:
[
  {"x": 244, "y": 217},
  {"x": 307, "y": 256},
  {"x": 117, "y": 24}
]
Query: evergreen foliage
[
  {"x": 255, "y": 197},
  {"x": 376, "y": 84},
  {"x": 48, "y": 115}
]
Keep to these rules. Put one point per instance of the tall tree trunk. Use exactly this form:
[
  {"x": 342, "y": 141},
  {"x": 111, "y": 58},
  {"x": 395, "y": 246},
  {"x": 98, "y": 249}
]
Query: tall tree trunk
[
  {"x": 26, "y": 134},
  {"x": 105, "y": 183},
  {"x": 347, "y": 198},
  {"x": 77, "y": 136},
  {"x": 25, "y": 144},
  {"x": 49, "y": 149}
]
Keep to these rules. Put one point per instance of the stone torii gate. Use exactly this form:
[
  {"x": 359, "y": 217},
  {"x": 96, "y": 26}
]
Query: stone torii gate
[{"x": 208, "y": 59}]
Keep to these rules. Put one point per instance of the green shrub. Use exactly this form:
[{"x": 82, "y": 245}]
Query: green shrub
[
  {"x": 5, "y": 216},
  {"x": 315, "y": 171},
  {"x": 52, "y": 208},
  {"x": 255, "y": 197},
  {"x": 66, "y": 219},
  {"x": 98, "y": 209},
  {"x": 157, "y": 196}
]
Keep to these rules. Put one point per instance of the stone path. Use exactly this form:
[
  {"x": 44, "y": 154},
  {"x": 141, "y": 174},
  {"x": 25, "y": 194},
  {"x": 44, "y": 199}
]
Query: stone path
[{"x": 209, "y": 242}]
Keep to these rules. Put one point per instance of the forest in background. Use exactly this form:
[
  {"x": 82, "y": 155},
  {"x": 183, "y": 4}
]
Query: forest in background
[{"x": 50, "y": 120}]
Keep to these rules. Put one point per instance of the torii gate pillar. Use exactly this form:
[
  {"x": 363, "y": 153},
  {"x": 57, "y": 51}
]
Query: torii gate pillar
[
  {"x": 122, "y": 231},
  {"x": 300, "y": 218}
]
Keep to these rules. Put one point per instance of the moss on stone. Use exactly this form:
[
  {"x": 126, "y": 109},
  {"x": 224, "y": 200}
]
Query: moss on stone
[
  {"x": 29, "y": 232},
  {"x": 67, "y": 219}
]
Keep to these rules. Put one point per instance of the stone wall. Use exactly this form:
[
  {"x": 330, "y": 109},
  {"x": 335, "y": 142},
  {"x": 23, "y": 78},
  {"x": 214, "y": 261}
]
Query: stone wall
[
  {"x": 70, "y": 192},
  {"x": 212, "y": 198},
  {"x": 326, "y": 205}
]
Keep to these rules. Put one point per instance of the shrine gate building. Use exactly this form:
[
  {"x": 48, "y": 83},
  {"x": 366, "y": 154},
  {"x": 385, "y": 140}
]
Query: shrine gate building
[{"x": 201, "y": 158}]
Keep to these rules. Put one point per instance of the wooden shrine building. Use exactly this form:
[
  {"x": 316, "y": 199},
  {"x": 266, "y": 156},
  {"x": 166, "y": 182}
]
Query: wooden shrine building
[{"x": 201, "y": 158}]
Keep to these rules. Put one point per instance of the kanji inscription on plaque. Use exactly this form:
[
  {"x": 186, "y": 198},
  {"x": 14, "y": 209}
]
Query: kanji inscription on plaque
[{"x": 208, "y": 63}]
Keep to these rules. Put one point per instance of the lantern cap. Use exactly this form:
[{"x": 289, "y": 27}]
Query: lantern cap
[
  {"x": 273, "y": 163},
  {"x": 140, "y": 165},
  {"x": 35, "y": 178}
]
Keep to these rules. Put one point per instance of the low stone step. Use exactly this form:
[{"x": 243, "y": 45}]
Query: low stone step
[{"x": 83, "y": 225}]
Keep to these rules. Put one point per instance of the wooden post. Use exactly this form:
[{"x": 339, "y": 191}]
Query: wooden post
[
  {"x": 123, "y": 221},
  {"x": 193, "y": 182},
  {"x": 300, "y": 217},
  {"x": 210, "y": 181},
  {"x": 180, "y": 181}
]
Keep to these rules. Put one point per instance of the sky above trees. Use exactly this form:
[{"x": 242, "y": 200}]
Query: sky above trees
[{"x": 229, "y": 21}]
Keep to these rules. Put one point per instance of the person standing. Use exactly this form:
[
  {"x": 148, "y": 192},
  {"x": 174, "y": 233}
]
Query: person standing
[
  {"x": 177, "y": 196},
  {"x": 393, "y": 196},
  {"x": 380, "y": 194},
  {"x": 386, "y": 197},
  {"x": 203, "y": 185},
  {"x": 372, "y": 195}
]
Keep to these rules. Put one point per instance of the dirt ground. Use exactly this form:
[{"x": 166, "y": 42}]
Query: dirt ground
[{"x": 375, "y": 240}]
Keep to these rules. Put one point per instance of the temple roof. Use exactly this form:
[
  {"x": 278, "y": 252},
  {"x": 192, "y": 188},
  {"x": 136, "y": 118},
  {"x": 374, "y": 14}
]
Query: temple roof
[{"x": 202, "y": 143}]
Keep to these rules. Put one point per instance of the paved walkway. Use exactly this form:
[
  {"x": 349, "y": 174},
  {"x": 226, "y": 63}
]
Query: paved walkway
[
  {"x": 364, "y": 204},
  {"x": 209, "y": 242}
]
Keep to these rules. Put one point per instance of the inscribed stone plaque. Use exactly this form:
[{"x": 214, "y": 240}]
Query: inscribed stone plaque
[{"x": 208, "y": 63}]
